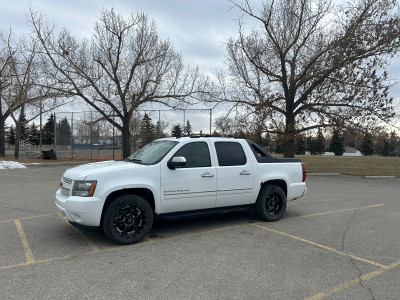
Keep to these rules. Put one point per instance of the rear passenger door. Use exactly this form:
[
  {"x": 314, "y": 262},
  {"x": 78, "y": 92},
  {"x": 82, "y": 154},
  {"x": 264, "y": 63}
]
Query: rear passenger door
[{"x": 234, "y": 174}]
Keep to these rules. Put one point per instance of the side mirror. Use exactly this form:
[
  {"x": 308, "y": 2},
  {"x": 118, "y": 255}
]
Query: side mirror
[{"x": 176, "y": 162}]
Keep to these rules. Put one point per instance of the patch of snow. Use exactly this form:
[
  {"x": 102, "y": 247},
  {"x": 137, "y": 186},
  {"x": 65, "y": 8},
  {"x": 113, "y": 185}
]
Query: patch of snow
[
  {"x": 10, "y": 165},
  {"x": 329, "y": 154},
  {"x": 357, "y": 153}
]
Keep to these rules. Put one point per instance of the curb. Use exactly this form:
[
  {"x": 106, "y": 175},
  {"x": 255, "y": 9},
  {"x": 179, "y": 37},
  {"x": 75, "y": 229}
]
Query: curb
[
  {"x": 324, "y": 174},
  {"x": 377, "y": 177},
  {"x": 44, "y": 165}
]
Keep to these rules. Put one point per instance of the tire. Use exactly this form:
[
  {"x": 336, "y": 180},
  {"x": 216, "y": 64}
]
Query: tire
[
  {"x": 271, "y": 203},
  {"x": 128, "y": 219}
]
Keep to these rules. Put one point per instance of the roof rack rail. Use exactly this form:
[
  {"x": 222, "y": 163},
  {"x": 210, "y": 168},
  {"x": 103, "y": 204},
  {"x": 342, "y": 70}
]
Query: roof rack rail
[{"x": 196, "y": 136}]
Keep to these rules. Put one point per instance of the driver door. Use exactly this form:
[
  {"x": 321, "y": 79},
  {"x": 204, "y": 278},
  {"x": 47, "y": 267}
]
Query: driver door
[{"x": 190, "y": 187}]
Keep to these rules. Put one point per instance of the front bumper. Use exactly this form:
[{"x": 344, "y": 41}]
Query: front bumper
[{"x": 80, "y": 210}]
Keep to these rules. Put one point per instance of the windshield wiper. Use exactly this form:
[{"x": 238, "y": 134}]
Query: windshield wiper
[{"x": 135, "y": 160}]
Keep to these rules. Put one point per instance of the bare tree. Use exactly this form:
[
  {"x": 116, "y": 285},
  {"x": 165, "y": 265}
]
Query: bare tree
[
  {"x": 310, "y": 64},
  {"x": 124, "y": 66},
  {"x": 6, "y": 107},
  {"x": 224, "y": 124},
  {"x": 22, "y": 86},
  {"x": 28, "y": 91}
]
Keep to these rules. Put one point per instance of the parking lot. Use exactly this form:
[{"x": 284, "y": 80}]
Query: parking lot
[{"x": 341, "y": 241}]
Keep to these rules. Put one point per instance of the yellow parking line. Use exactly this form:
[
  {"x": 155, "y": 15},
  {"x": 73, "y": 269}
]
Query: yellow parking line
[
  {"x": 353, "y": 282},
  {"x": 25, "y": 244},
  {"x": 202, "y": 232},
  {"x": 149, "y": 240},
  {"x": 14, "y": 266},
  {"x": 23, "y": 176},
  {"x": 334, "y": 212},
  {"x": 323, "y": 247},
  {"x": 81, "y": 234},
  {"x": 26, "y": 218},
  {"x": 66, "y": 257}
]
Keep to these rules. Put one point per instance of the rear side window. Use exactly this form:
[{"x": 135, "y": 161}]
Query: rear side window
[
  {"x": 230, "y": 154},
  {"x": 197, "y": 155}
]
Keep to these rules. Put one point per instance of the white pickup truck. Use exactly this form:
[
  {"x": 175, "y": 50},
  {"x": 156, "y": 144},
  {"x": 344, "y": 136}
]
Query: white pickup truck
[{"x": 178, "y": 177}]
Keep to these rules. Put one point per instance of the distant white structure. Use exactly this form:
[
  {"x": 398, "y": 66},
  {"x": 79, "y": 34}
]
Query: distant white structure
[{"x": 349, "y": 151}]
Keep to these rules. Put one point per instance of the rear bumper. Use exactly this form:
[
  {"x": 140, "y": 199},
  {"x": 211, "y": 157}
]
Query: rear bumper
[
  {"x": 83, "y": 211},
  {"x": 297, "y": 190}
]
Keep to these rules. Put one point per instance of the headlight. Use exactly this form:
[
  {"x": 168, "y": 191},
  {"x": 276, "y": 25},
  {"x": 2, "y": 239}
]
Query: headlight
[{"x": 84, "y": 188}]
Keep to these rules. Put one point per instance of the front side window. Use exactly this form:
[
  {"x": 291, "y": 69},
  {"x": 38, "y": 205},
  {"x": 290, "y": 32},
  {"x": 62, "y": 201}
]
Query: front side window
[
  {"x": 230, "y": 154},
  {"x": 196, "y": 154},
  {"x": 152, "y": 153}
]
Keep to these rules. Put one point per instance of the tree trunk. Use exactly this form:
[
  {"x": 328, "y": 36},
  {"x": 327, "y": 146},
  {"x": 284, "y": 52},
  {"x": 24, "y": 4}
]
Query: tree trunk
[
  {"x": 126, "y": 140},
  {"x": 17, "y": 138},
  {"x": 18, "y": 126},
  {"x": 2, "y": 131},
  {"x": 288, "y": 145},
  {"x": 2, "y": 137}
]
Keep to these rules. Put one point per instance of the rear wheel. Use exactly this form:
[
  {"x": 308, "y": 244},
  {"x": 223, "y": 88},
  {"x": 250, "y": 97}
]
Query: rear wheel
[
  {"x": 271, "y": 203},
  {"x": 128, "y": 219}
]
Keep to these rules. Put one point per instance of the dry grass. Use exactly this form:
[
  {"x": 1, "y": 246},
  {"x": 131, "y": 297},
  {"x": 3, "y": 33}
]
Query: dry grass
[
  {"x": 345, "y": 165},
  {"x": 358, "y": 166}
]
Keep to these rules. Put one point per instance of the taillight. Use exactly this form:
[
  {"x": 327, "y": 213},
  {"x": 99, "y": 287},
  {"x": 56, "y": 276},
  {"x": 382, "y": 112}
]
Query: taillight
[{"x": 303, "y": 166}]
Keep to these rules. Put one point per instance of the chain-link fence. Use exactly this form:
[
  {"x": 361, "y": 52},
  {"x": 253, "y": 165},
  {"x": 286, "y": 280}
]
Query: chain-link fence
[{"x": 88, "y": 135}]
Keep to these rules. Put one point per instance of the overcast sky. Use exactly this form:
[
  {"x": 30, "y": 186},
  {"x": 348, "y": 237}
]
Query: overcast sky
[{"x": 197, "y": 28}]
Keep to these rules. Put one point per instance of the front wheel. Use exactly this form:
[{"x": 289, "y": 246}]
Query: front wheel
[
  {"x": 128, "y": 219},
  {"x": 271, "y": 203}
]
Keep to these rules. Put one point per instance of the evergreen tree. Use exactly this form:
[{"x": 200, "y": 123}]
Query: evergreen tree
[
  {"x": 33, "y": 134},
  {"x": 188, "y": 129},
  {"x": 279, "y": 140},
  {"x": 159, "y": 130},
  {"x": 311, "y": 145},
  {"x": 367, "y": 146},
  {"x": 11, "y": 136},
  {"x": 300, "y": 145},
  {"x": 23, "y": 129},
  {"x": 147, "y": 130},
  {"x": 337, "y": 143},
  {"x": 267, "y": 142},
  {"x": 320, "y": 143},
  {"x": 386, "y": 148},
  {"x": 64, "y": 133},
  {"x": 176, "y": 131},
  {"x": 48, "y": 131},
  {"x": 393, "y": 142}
]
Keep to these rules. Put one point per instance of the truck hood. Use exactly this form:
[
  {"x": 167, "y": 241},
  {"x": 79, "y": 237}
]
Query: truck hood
[{"x": 97, "y": 168}]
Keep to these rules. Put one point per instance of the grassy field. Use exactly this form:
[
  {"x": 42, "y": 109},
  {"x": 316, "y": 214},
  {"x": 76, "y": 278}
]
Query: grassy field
[
  {"x": 359, "y": 166},
  {"x": 345, "y": 165}
]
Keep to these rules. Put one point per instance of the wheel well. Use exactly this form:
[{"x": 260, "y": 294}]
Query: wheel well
[
  {"x": 281, "y": 183},
  {"x": 144, "y": 193}
]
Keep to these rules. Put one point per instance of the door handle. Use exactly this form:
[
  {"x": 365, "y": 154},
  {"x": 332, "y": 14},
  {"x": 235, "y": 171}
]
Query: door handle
[
  {"x": 207, "y": 174},
  {"x": 244, "y": 172}
]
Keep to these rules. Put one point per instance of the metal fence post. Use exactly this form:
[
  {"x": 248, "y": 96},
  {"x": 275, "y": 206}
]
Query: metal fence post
[
  {"x": 91, "y": 135},
  {"x": 55, "y": 133},
  {"x": 72, "y": 135}
]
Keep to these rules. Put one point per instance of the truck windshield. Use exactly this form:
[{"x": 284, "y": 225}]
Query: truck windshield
[{"x": 152, "y": 153}]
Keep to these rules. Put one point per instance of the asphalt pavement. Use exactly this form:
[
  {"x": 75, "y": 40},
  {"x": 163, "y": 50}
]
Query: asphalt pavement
[{"x": 340, "y": 241}]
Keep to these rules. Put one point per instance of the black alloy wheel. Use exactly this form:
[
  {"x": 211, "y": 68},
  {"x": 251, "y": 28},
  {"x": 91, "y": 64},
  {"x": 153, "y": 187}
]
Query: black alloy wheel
[
  {"x": 271, "y": 203},
  {"x": 128, "y": 219}
]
